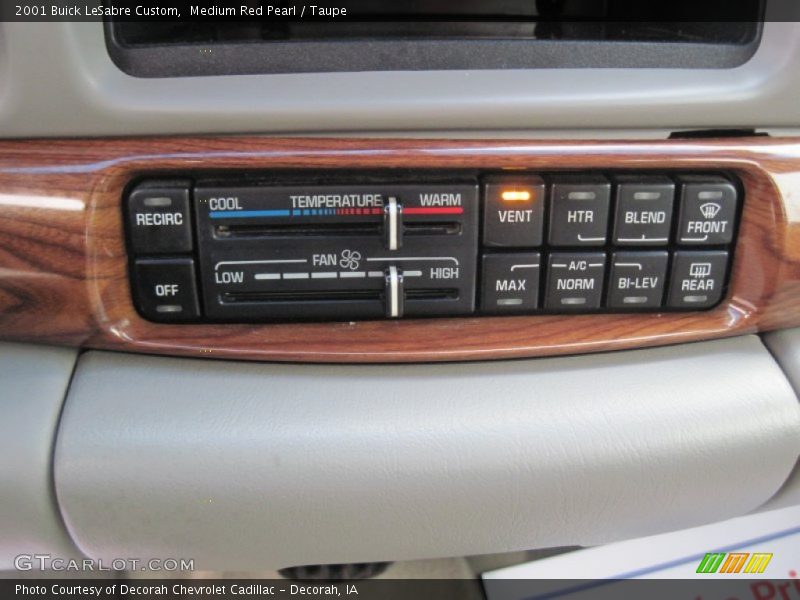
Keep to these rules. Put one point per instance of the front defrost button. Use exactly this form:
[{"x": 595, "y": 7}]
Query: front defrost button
[{"x": 708, "y": 211}]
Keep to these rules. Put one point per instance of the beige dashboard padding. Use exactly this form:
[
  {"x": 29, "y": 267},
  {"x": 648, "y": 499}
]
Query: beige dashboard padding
[
  {"x": 263, "y": 466},
  {"x": 33, "y": 384}
]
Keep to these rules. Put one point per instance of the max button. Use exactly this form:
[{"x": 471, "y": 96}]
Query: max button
[{"x": 510, "y": 282}]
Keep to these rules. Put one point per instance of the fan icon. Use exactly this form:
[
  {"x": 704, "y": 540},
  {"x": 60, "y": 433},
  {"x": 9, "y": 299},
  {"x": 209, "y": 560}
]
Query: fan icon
[{"x": 350, "y": 259}]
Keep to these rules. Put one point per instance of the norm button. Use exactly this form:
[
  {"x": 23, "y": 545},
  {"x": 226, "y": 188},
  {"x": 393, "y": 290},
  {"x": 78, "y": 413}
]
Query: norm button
[
  {"x": 708, "y": 210},
  {"x": 158, "y": 218},
  {"x": 165, "y": 289},
  {"x": 510, "y": 282},
  {"x": 580, "y": 210},
  {"x": 513, "y": 215},
  {"x": 644, "y": 210},
  {"x": 575, "y": 281}
]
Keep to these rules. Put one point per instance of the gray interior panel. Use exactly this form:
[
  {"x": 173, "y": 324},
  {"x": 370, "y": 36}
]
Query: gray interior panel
[
  {"x": 58, "y": 79},
  {"x": 255, "y": 466},
  {"x": 34, "y": 384},
  {"x": 785, "y": 346}
]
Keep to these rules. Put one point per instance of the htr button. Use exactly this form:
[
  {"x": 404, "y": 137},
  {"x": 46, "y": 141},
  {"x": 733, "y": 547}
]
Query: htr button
[{"x": 579, "y": 211}]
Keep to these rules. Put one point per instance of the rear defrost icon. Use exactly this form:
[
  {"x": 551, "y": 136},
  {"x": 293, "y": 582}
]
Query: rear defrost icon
[{"x": 700, "y": 270}]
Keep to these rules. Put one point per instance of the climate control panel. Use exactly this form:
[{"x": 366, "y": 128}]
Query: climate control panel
[
  {"x": 359, "y": 251},
  {"x": 370, "y": 246}
]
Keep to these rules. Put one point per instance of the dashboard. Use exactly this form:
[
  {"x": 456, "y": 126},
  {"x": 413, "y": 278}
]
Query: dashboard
[{"x": 751, "y": 283}]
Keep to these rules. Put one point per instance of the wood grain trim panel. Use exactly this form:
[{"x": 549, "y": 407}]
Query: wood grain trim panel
[{"x": 63, "y": 269}]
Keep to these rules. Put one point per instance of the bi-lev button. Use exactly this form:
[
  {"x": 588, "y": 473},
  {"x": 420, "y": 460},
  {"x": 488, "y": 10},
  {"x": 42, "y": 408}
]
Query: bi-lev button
[
  {"x": 708, "y": 210},
  {"x": 165, "y": 289},
  {"x": 158, "y": 218},
  {"x": 637, "y": 280}
]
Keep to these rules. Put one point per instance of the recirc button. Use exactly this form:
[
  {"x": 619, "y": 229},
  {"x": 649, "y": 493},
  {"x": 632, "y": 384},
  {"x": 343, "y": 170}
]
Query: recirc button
[{"x": 158, "y": 218}]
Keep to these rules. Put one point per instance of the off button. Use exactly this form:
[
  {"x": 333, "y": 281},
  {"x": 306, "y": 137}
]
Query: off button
[{"x": 165, "y": 289}]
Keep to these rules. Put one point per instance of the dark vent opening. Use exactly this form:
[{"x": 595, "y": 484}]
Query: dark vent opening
[
  {"x": 447, "y": 34},
  {"x": 709, "y": 21}
]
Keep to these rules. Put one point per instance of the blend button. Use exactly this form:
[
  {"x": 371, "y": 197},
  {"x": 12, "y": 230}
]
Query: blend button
[
  {"x": 644, "y": 210},
  {"x": 510, "y": 282}
]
